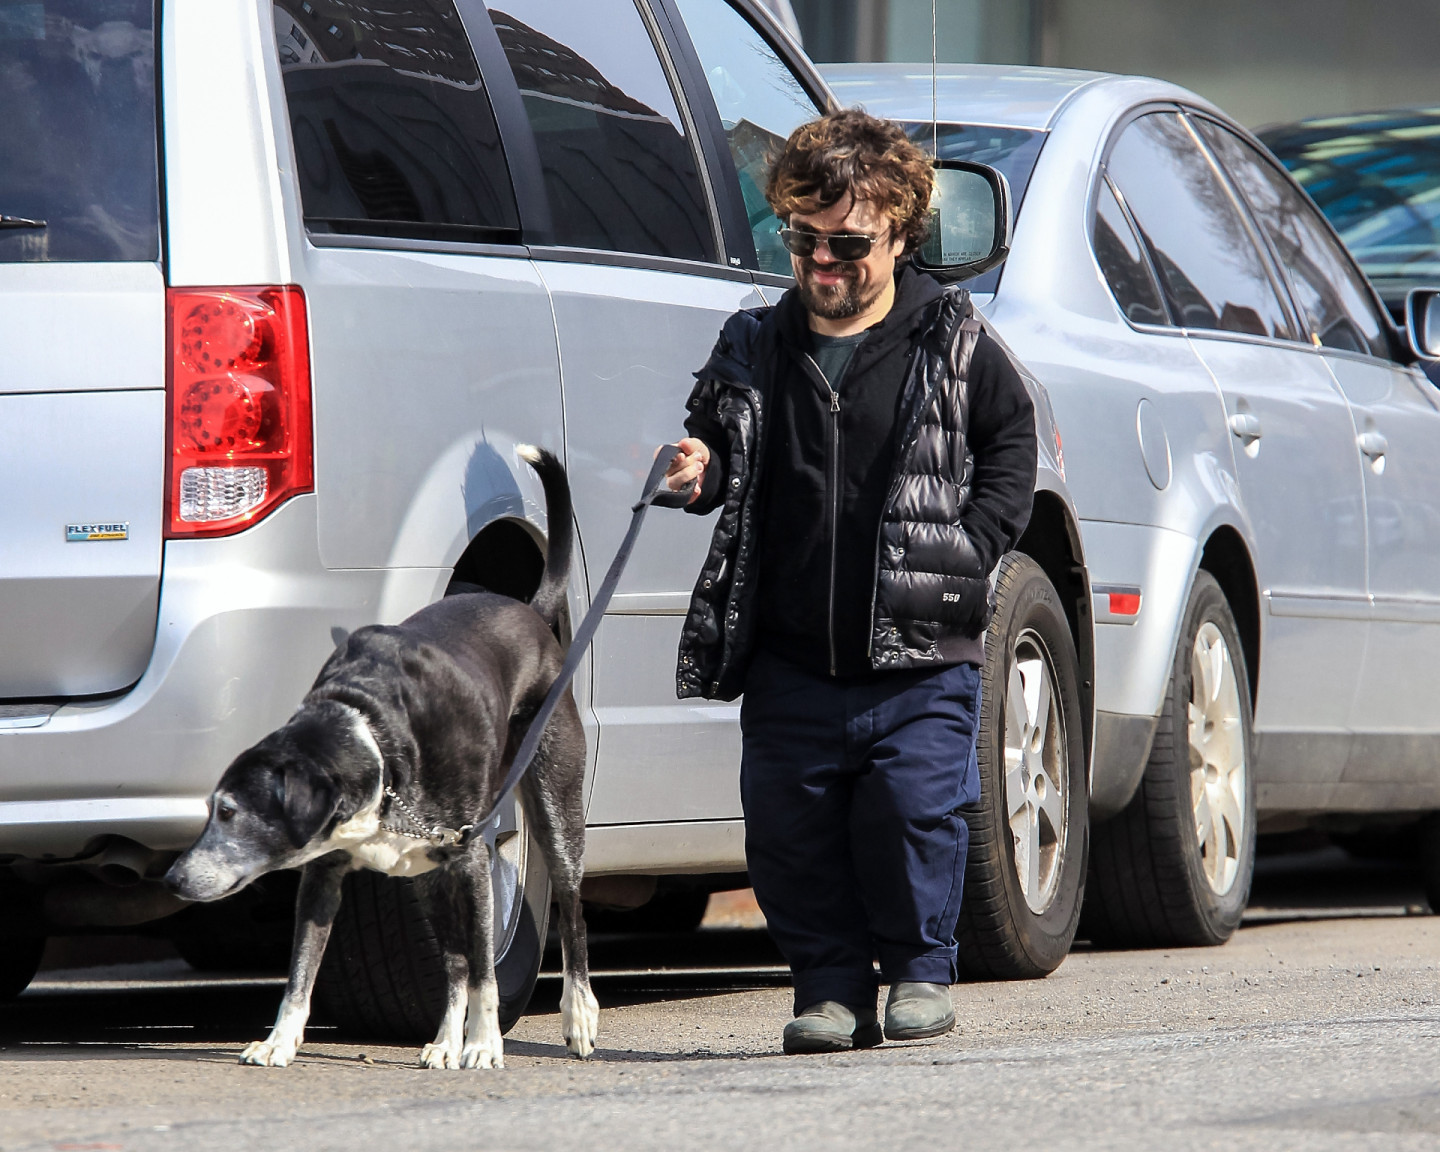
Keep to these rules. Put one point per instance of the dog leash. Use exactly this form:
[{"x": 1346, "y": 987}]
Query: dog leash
[{"x": 656, "y": 492}]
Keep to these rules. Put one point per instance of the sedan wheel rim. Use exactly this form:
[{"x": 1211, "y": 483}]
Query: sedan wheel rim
[
  {"x": 1218, "y": 772},
  {"x": 1036, "y": 771}
]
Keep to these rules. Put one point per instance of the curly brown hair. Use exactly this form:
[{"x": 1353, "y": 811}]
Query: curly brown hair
[{"x": 853, "y": 153}]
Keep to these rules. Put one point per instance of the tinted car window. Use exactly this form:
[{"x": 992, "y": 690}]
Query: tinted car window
[
  {"x": 760, "y": 103},
  {"x": 1123, "y": 263},
  {"x": 392, "y": 126},
  {"x": 1211, "y": 272},
  {"x": 1012, "y": 150},
  {"x": 77, "y": 130},
  {"x": 618, "y": 169},
  {"x": 1377, "y": 177},
  {"x": 1332, "y": 298}
]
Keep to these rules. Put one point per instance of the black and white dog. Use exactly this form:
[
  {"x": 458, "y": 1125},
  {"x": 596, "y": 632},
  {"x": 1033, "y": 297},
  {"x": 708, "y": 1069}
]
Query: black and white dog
[{"x": 390, "y": 759}]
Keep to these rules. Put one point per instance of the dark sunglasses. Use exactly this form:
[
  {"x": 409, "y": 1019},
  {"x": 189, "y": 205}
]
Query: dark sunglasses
[{"x": 843, "y": 245}]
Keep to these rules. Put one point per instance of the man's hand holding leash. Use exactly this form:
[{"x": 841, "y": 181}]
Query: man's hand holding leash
[{"x": 688, "y": 466}]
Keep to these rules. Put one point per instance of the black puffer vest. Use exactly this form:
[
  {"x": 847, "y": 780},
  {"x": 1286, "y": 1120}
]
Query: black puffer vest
[{"x": 931, "y": 592}]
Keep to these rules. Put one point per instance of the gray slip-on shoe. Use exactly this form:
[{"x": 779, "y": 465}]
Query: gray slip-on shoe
[
  {"x": 830, "y": 1026},
  {"x": 917, "y": 1011}
]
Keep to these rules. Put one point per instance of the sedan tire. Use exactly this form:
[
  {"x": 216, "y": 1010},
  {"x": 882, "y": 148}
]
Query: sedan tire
[
  {"x": 1025, "y": 874},
  {"x": 1173, "y": 869}
]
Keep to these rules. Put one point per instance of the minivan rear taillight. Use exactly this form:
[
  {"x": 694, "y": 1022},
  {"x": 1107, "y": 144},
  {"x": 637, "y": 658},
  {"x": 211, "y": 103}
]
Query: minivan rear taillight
[{"x": 238, "y": 397}]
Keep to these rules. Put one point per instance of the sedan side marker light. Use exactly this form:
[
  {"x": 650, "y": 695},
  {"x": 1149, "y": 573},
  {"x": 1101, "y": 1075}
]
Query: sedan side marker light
[{"x": 1117, "y": 600}]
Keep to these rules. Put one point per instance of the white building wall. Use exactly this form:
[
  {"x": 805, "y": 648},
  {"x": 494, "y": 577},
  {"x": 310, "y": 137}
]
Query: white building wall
[{"x": 1263, "y": 61}]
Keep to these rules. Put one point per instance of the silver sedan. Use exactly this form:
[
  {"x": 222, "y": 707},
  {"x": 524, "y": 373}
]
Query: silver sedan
[{"x": 1256, "y": 461}]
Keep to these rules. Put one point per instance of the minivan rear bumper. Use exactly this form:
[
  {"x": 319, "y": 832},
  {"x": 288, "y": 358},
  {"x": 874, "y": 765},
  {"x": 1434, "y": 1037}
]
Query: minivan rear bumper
[{"x": 245, "y": 622}]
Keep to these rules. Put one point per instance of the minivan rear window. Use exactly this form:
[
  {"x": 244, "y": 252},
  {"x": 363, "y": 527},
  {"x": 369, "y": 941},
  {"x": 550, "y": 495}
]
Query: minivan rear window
[
  {"x": 77, "y": 131},
  {"x": 393, "y": 130}
]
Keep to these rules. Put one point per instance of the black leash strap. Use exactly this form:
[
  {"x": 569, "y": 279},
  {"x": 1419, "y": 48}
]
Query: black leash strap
[{"x": 656, "y": 492}]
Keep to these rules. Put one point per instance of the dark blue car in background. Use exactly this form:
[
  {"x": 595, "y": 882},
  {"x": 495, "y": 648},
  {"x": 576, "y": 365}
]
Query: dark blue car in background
[{"x": 1376, "y": 175}]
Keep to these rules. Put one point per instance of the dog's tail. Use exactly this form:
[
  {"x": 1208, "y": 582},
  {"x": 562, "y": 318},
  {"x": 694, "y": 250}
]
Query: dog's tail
[{"x": 549, "y": 598}]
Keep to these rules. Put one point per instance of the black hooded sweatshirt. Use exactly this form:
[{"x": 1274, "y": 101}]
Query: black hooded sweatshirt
[{"x": 817, "y": 549}]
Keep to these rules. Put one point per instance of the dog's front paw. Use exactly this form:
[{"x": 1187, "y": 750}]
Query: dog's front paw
[
  {"x": 579, "y": 1018},
  {"x": 271, "y": 1053},
  {"x": 438, "y": 1055},
  {"x": 483, "y": 1055}
]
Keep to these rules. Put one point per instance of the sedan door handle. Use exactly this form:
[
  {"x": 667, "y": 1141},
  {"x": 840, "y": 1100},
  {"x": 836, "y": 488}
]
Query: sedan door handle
[
  {"x": 1246, "y": 425},
  {"x": 1373, "y": 444}
]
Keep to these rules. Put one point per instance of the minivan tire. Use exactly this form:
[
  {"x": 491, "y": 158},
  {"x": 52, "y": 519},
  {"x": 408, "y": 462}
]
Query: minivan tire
[
  {"x": 252, "y": 931},
  {"x": 1427, "y": 840},
  {"x": 19, "y": 961},
  {"x": 383, "y": 976},
  {"x": 1149, "y": 886},
  {"x": 1008, "y": 929}
]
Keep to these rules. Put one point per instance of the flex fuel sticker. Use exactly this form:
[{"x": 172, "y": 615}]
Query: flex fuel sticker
[{"x": 84, "y": 533}]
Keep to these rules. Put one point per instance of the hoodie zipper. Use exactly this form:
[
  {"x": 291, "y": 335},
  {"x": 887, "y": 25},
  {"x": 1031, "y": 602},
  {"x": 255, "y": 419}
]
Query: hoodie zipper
[{"x": 834, "y": 496}]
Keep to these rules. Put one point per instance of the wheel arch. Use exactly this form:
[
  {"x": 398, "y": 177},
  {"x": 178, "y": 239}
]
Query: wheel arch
[
  {"x": 506, "y": 556},
  {"x": 1052, "y": 540},
  {"x": 1226, "y": 558}
]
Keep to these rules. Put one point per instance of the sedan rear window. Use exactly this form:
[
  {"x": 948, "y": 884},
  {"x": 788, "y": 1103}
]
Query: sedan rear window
[
  {"x": 1124, "y": 265},
  {"x": 1212, "y": 274},
  {"x": 77, "y": 135}
]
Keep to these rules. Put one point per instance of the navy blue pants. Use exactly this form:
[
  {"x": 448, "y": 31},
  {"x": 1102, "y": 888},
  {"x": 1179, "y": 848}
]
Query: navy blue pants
[{"x": 853, "y": 834}]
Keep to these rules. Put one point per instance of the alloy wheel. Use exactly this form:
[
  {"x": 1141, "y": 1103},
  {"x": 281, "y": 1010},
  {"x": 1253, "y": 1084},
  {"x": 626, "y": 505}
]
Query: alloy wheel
[
  {"x": 1218, "y": 769},
  {"x": 1036, "y": 770}
]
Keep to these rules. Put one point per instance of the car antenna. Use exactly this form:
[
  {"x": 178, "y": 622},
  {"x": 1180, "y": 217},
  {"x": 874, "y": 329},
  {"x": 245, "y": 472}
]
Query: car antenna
[{"x": 934, "y": 83}]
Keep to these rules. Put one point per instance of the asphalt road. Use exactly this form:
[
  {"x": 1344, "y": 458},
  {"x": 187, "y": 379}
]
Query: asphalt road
[{"x": 1317, "y": 1027}]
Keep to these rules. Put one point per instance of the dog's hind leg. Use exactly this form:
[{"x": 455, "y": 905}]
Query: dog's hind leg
[
  {"x": 553, "y": 795},
  {"x": 315, "y": 907}
]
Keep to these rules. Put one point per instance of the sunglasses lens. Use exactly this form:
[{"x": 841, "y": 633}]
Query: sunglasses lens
[
  {"x": 842, "y": 246},
  {"x": 849, "y": 247},
  {"x": 798, "y": 243}
]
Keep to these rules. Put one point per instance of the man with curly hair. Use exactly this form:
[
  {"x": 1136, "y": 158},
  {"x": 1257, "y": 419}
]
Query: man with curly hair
[{"x": 873, "y": 454}]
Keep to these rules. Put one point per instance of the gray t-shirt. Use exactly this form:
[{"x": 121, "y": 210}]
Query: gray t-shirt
[{"x": 833, "y": 354}]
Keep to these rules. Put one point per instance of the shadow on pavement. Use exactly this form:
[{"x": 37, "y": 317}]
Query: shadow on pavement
[
  {"x": 1327, "y": 880},
  {"x": 131, "y": 1007},
  {"x": 220, "y": 1013}
]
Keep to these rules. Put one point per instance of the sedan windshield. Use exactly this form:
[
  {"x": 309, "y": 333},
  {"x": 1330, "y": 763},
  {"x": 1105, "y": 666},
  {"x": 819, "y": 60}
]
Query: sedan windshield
[
  {"x": 1377, "y": 177},
  {"x": 1012, "y": 150}
]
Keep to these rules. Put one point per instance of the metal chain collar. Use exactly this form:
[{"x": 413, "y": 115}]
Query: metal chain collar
[{"x": 445, "y": 837}]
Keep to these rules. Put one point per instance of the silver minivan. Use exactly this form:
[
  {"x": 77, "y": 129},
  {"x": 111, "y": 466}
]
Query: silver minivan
[{"x": 282, "y": 285}]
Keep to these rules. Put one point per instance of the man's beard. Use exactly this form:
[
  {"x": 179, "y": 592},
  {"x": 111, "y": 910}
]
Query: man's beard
[{"x": 837, "y": 302}]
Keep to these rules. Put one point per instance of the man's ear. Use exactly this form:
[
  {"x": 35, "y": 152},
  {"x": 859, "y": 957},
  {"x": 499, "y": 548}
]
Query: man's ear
[
  {"x": 308, "y": 800},
  {"x": 899, "y": 243}
]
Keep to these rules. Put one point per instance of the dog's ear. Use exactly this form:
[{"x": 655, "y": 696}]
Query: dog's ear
[{"x": 308, "y": 798}]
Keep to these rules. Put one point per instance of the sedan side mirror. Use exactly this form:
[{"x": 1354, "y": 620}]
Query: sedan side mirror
[
  {"x": 1422, "y": 322},
  {"x": 970, "y": 222}
]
